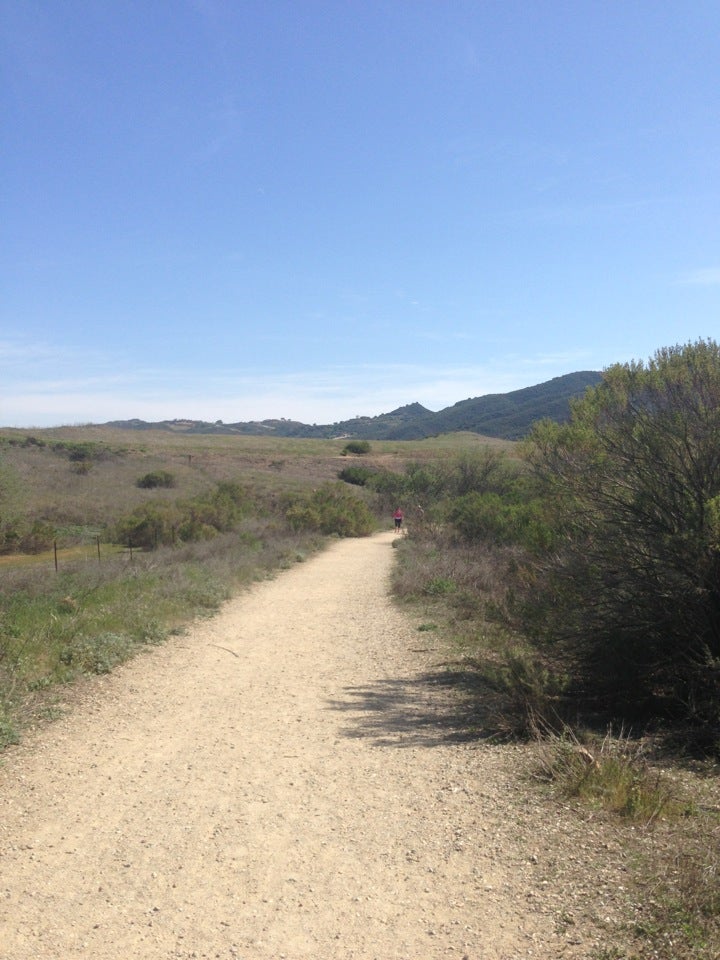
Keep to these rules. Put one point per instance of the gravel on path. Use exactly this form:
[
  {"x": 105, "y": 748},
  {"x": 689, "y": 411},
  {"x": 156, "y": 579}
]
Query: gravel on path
[{"x": 283, "y": 780}]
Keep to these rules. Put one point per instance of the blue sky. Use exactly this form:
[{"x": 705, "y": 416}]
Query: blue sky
[{"x": 314, "y": 210}]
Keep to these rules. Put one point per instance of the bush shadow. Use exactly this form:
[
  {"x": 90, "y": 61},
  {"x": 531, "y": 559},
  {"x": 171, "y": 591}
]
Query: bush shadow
[{"x": 447, "y": 704}]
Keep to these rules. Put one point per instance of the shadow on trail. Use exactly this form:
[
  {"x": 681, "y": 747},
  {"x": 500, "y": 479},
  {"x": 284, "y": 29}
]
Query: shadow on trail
[{"x": 448, "y": 705}]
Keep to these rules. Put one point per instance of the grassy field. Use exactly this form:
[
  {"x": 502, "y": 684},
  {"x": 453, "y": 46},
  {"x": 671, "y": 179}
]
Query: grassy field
[{"x": 42, "y": 481}]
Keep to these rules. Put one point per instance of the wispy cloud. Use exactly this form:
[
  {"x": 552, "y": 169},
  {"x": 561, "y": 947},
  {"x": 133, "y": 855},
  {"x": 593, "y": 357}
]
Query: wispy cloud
[
  {"x": 27, "y": 358},
  {"x": 38, "y": 396},
  {"x": 18, "y": 351},
  {"x": 705, "y": 277}
]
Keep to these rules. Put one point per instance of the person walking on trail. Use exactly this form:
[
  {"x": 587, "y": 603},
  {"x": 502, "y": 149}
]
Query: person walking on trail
[{"x": 398, "y": 517}]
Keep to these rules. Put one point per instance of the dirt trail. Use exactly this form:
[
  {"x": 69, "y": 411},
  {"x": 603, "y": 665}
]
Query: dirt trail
[{"x": 281, "y": 781}]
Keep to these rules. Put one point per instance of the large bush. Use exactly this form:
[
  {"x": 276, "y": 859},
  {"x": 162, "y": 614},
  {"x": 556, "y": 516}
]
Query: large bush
[
  {"x": 148, "y": 526},
  {"x": 634, "y": 589},
  {"x": 331, "y": 509},
  {"x": 496, "y": 519},
  {"x": 157, "y": 524}
]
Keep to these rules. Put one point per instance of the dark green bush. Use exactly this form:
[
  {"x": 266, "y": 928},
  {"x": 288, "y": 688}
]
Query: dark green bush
[
  {"x": 356, "y": 475},
  {"x": 390, "y": 486},
  {"x": 634, "y": 484},
  {"x": 154, "y": 479},
  {"x": 480, "y": 516},
  {"x": 358, "y": 447},
  {"x": 421, "y": 484}
]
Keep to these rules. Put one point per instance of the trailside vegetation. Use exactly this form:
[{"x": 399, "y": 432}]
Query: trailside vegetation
[
  {"x": 630, "y": 592},
  {"x": 605, "y": 542},
  {"x": 581, "y": 587}
]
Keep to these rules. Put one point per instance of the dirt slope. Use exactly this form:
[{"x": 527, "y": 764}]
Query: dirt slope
[{"x": 282, "y": 781}]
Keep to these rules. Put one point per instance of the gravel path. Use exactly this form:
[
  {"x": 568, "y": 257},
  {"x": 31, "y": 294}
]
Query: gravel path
[{"x": 284, "y": 780}]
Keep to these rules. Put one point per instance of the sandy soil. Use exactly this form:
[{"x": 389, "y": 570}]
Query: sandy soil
[{"x": 287, "y": 779}]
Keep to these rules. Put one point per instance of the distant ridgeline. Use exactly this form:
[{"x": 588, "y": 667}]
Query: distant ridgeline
[{"x": 507, "y": 416}]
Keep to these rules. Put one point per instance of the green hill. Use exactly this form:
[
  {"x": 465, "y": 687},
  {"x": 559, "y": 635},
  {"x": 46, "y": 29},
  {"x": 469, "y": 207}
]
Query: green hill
[{"x": 507, "y": 416}]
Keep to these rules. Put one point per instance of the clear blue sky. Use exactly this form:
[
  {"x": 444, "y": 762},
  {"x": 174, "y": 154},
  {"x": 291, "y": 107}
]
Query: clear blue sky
[{"x": 234, "y": 209}]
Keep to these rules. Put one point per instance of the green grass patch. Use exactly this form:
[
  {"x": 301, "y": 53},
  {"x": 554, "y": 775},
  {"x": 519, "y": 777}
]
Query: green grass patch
[{"x": 612, "y": 774}]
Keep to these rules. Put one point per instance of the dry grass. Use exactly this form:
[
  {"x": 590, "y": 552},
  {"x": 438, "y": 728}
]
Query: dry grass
[{"x": 47, "y": 485}]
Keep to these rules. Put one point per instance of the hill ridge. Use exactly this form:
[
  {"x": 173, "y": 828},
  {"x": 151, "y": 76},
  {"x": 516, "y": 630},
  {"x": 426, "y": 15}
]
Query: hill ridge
[{"x": 507, "y": 416}]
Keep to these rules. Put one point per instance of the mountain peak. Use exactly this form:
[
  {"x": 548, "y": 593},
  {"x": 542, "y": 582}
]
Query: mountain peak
[{"x": 410, "y": 410}]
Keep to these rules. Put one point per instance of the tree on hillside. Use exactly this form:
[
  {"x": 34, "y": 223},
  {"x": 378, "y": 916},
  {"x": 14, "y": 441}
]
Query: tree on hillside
[{"x": 633, "y": 588}]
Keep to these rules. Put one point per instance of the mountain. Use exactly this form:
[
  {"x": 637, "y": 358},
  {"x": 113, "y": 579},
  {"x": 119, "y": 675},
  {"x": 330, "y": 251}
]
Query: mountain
[
  {"x": 508, "y": 416},
  {"x": 505, "y": 415}
]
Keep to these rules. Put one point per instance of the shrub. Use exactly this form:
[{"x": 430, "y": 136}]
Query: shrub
[
  {"x": 476, "y": 472},
  {"x": 331, "y": 510},
  {"x": 440, "y": 586},
  {"x": 391, "y": 487},
  {"x": 157, "y": 478},
  {"x": 222, "y": 508},
  {"x": 422, "y": 484},
  {"x": 77, "y": 452},
  {"x": 161, "y": 524},
  {"x": 38, "y": 538},
  {"x": 497, "y": 520},
  {"x": 148, "y": 526},
  {"x": 18, "y": 535},
  {"x": 633, "y": 480},
  {"x": 480, "y": 516},
  {"x": 528, "y": 689},
  {"x": 358, "y": 447},
  {"x": 8, "y": 730},
  {"x": 356, "y": 475}
]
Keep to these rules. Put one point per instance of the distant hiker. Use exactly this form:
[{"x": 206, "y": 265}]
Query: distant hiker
[{"x": 398, "y": 517}]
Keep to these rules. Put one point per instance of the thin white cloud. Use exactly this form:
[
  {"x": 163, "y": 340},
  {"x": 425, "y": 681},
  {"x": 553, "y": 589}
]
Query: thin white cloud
[
  {"x": 30, "y": 360},
  {"x": 705, "y": 277},
  {"x": 14, "y": 351},
  {"x": 313, "y": 395}
]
